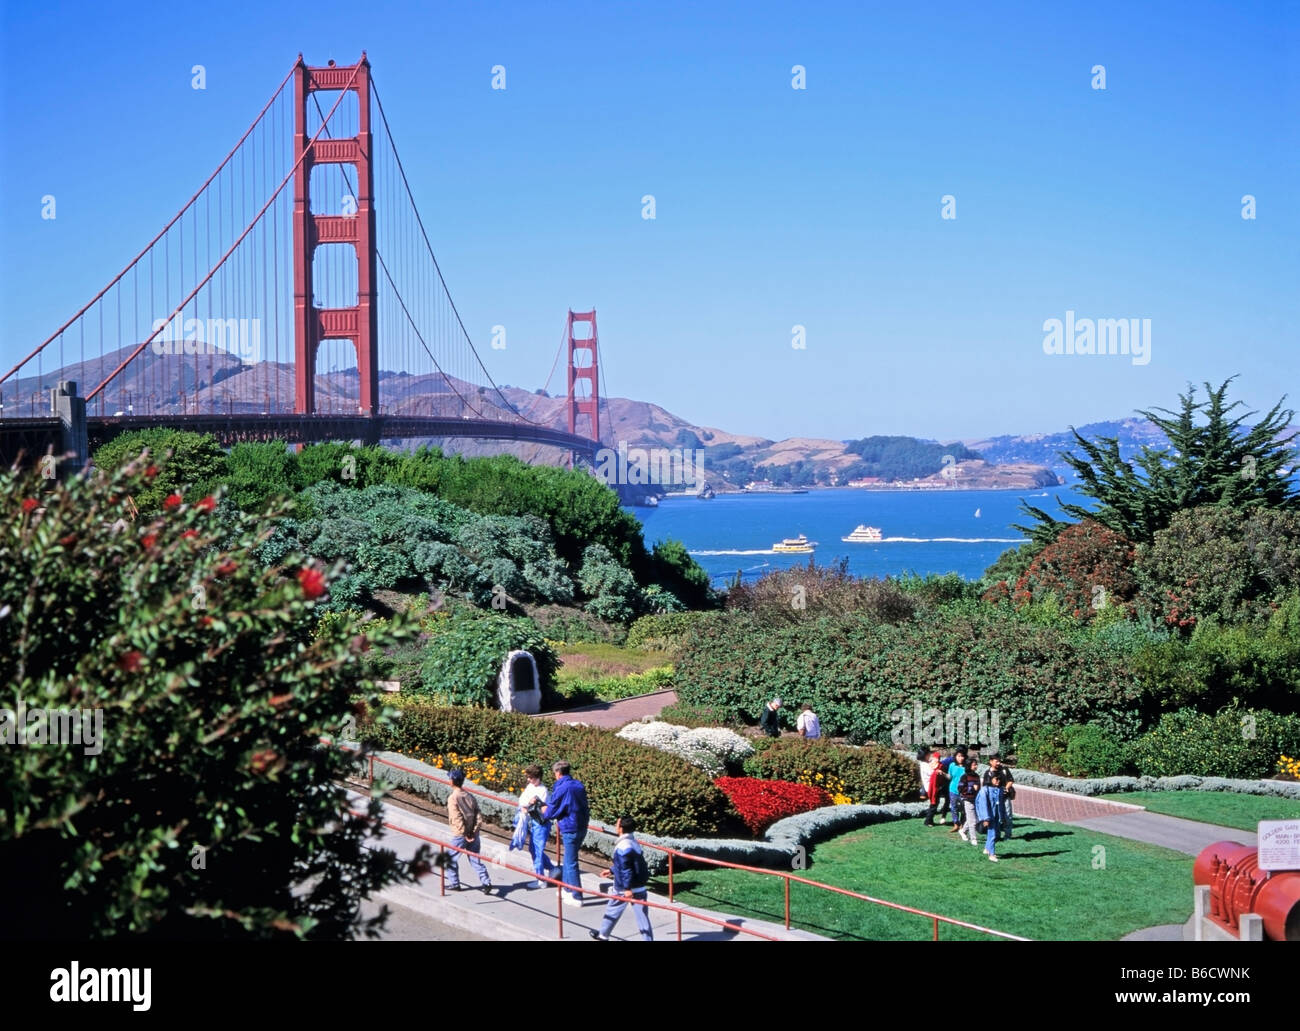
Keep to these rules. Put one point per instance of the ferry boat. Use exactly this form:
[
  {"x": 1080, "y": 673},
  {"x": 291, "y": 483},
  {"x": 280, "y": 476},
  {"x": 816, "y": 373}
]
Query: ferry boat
[
  {"x": 800, "y": 545},
  {"x": 863, "y": 535},
  {"x": 768, "y": 487}
]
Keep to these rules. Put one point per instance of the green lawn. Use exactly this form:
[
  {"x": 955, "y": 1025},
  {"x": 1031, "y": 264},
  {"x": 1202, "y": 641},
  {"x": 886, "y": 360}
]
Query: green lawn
[
  {"x": 1052, "y": 882},
  {"x": 1222, "y": 807},
  {"x": 593, "y": 672}
]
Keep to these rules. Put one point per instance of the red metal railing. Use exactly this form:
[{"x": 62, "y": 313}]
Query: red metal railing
[
  {"x": 935, "y": 918},
  {"x": 561, "y": 887}
]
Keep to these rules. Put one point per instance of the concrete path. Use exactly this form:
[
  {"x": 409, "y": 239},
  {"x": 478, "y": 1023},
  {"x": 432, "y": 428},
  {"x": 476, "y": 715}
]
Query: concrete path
[
  {"x": 514, "y": 912},
  {"x": 615, "y": 714},
  {"x": 1124, "y": 820}
]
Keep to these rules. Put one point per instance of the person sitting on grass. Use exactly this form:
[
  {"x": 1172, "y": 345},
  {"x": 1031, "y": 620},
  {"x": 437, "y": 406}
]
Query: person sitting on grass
[{"x": 630, "y": 875}]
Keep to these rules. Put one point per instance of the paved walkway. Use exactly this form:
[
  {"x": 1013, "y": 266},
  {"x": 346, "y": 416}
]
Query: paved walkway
[
  {"x": 1123, "y": 820},
  {"x": 615, "y": 714},
  {"x": 522, "y": 914}
]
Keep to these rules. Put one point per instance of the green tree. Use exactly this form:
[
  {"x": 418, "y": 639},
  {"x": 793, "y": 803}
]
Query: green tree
[
  {"x": 206, "y": 806},
  {"x": 1213, "y": 458}
]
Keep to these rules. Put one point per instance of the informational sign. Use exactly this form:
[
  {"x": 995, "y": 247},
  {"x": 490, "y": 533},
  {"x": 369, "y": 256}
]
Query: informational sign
[{"x": 1279, "y": 844}]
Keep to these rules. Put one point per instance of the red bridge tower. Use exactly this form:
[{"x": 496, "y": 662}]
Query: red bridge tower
[
  {"x": 360, "y": 322},
  {"x": 586, "y": 402}
]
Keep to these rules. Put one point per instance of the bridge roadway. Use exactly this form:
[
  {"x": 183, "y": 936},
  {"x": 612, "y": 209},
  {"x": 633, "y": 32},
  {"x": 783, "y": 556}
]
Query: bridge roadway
[{"x": 33, "y": 437}]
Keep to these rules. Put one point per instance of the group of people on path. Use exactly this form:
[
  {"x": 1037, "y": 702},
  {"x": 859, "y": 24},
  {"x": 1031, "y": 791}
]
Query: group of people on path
[
  {"x": 978, "y": 804},
  {"x": 808, "y": 725},
  {"x": 564, "y": 804}
]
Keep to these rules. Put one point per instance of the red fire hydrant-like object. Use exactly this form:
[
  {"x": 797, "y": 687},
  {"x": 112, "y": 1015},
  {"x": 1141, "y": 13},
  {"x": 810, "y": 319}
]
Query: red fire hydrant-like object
[{"x": 1238, "y": 886}]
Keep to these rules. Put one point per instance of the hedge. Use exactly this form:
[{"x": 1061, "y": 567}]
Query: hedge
[
  {"x": 665, "y": 794},
  {"x": 857, "y": 673},
  {"x": 871, "y": 775}
]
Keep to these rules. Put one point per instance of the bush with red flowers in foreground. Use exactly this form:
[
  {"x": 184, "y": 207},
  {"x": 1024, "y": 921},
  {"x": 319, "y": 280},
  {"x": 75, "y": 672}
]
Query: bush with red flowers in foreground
[
  {"x": 205, "y": 806},
  {"x": 760, "y": 803}
]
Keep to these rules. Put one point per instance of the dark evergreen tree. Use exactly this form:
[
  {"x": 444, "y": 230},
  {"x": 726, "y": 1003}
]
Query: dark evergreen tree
[{"x": 1212, "y": 458}]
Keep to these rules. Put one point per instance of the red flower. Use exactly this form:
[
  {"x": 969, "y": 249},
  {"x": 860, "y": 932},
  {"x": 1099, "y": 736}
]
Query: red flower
[
  {"x": 261, "y": 760},
  {"x": 151, "y": 472},
  {"x": 207, "y": 504},
  {"x": 130, "y": 662},
  {"x": 205, "y": 621},
  {"x": 149, "y": 540},
  {"x": 312, "y": 582},
  {"x": 173, "y": 501},
  {"x": 189, "y": 533},
  {"x": 69, "y": 539},
  {"x": 227, "y": 568},
  {"x": 760, "y": 803},
  {"x": 29, "y": 504}
]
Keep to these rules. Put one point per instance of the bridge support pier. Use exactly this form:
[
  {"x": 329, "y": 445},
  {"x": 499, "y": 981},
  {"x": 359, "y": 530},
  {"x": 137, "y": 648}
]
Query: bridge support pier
[{"x": 71, "y": 411}]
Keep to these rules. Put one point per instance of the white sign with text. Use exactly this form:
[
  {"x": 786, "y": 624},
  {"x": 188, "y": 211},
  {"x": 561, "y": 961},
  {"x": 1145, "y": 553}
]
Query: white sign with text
[{"x": 1279, "y": 844}]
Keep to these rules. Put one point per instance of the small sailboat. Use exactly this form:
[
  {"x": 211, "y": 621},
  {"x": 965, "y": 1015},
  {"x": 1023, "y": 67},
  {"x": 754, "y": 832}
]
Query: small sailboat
[{"x": 977, "y": 513}]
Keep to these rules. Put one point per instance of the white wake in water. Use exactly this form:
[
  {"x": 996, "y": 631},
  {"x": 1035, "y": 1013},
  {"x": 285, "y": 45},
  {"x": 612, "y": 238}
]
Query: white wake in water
[{"x": 887, "y": 540}]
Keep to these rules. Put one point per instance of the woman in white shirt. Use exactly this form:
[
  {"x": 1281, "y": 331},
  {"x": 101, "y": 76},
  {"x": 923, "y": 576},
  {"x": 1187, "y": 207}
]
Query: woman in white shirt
[{"x": 531, "y": 800}]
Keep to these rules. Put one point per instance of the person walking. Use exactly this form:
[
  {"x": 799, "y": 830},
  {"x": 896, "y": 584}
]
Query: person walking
[
  {"x": 956, "y": 770},
  {"x": 967, "y": 790},
  {"x": 537, "y": 831},
  {"x": 770, "y": 719},
  {"x": 630, "y": 875},
  {"x": 568, "y": 810},
  {"x": 463, "y": 816},
  {"x": 988, "y": 808},
  {"x": 996, "y": 765},
  {"x": 808, "y": 724}
]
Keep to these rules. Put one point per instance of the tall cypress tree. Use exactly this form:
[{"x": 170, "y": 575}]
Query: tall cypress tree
[{"x": 1212, "y": 458}]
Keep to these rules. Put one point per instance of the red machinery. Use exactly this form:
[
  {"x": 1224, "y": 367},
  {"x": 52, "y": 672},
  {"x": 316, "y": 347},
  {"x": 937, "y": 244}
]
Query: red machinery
[{"x": 1238, "y": 886}]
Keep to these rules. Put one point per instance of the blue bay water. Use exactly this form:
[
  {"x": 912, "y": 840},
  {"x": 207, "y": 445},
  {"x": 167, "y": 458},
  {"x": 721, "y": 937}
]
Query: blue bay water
[{"x": 925, "y": 531}]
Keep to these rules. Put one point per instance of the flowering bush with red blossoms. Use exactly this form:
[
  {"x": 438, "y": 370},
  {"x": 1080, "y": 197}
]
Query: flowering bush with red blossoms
[
  {"x": 760, "y": 803},
  {"x": 208, "y": 806}
]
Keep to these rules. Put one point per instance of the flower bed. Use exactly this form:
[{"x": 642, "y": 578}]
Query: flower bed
[
  {"x": 761, "y": 803},
  {"x": 713, "y": 749},
  {"x": 871, "y": 774}
]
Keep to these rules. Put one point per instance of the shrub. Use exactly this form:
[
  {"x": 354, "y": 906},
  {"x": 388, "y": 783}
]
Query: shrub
[
  {"x": 857, "y": 673},
  {"x": 760, "y": 803},
  {"x": 713, "y": 749},
  {"x": 187, "y": 463},
  {"x": 1214, "y": 563},
  {"x": 823, "y": 591},
  {"x": 612, "y": 591},
  {"x": 1091, "y": 752},
  {"x": 1235, "y": 743},
  {"x": 666, "y": 794},
  {"x": 1040, "y": 746},
  {"x": 462, "y": 661},
  {"x": 870, "y": 775},
  {"x": 687, "y": 715},
  {"x": 214, "y": 696},
  {"x": 667, "y": 632},
  {"x": 1088, "y": 568}
]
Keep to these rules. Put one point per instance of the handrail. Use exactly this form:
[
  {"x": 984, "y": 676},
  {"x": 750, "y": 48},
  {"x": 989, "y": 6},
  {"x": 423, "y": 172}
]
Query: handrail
[
  {"x": 561, "y": 887},
  {"x": 936, "y": 918}
]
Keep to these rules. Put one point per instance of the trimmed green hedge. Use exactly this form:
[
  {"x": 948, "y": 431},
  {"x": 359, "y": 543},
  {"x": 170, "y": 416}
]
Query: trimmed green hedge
[
  {"x": 667, "y": 631},
  {"x": 665, "y": 794},
  {"x": 872, "y": 775},
  {"x": 857, "y": 672},
  {"x": 1236, "y": 743}
]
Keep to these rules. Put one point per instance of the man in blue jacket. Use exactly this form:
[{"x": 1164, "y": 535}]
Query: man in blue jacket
[
  {"x": 568, "y": 810},
  {"x": 630, "y": 876}
]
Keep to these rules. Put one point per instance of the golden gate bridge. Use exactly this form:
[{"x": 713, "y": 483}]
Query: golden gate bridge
[{"x": 295, "y": 296}]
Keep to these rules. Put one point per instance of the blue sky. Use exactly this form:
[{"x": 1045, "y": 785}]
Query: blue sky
[{"x": 775, "y": 207}]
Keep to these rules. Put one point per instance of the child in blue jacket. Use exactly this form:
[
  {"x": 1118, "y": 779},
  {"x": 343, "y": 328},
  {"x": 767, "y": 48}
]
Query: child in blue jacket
[{"x": 630, "y": 875}]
